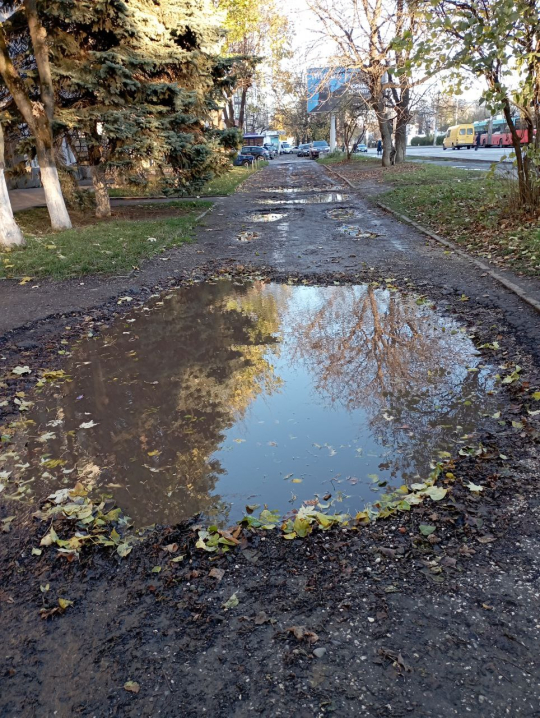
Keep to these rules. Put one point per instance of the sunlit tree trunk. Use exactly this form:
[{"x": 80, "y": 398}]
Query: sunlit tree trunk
[
  {"x": 38, "y": 116},
  {"x": 10, "y": 234}
]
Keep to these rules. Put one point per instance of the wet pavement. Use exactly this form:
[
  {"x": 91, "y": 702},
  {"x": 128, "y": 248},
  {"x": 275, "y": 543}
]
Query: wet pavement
[
  {"x": 307, "y": 240},
  {"x": 376, "y": 622},
  {"x": 222, "y": 395}
]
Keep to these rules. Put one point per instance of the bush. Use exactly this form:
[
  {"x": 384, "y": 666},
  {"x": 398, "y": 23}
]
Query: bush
[{"x": 426, "y": 141}]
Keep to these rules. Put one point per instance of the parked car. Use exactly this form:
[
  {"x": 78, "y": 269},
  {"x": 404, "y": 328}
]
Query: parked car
[
  {"x": 256, "y": 151},
  {"x": 361, "y": 148},
  {"x": 314, "y": 152},
  {"x": 322, "y": 146},
  {"x": 242, "y": 160},
  {"x": 303, "y": 150},
  {"x": 286, "y": 148},
  {"x": 271, "y": 149}
]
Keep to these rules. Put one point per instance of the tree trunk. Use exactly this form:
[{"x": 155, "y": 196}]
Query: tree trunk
[
  {"x": 51, "y": 186},
  {"x": 103, "y": 201},
  {"x": 38, "y": 35},
  {"x": 10, "y": 234},
  {"x": 401, "y": 141},
  {"x": 523, "y": 170},
  {"x": 243, "y": 101},
  {"x": 39, "y": 124},
  {"x": 385, "y": 126}
]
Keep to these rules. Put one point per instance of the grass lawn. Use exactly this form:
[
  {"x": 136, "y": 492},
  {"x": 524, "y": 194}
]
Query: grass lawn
[
  {"x": 227, "y": 183},
  {"x": 335, "y": 158},
  {"x": 219, "y": 187},
  {"x": 472, "y": 209},
  {"x": 108, "y": 246}
]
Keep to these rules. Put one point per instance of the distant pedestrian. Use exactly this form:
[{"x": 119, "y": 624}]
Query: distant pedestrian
[
  {"x": 477, "y": 143},
  {"x": 379, "y": 147}
]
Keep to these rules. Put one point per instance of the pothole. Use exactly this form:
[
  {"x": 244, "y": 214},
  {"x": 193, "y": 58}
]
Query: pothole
[
  {"x": 341, "y": 213},
  {"x": 324, "y": 198},
  {"x": 266, "y": 216},
  {"x": 226, "y": 394},
  {"x": 247, "y": 236},
  {"x": 353, "y": 230}
]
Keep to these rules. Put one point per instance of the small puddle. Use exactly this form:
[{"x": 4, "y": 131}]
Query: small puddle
[
  {"x": 341, "y": 213},
  {"x": 295, "y": 190},
  {"x": 247, "y": 236},
  {"x": 266, "y": 216},
  {"x": 315, "y": 199},
  {"x": 225, "y": 394},
  {"x": 356, "y": 232}
]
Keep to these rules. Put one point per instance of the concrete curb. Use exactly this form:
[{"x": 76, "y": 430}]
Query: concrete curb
[
  {"x": 482, "y": 265},
  {"x": 535, "y": 304},
  {"x": 203, "y": 214},
  {"x": 454, "y": 157}
]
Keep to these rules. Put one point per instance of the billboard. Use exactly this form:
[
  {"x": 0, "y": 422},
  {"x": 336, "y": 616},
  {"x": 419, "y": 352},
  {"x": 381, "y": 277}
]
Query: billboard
[{"x": 326, "y": 87}]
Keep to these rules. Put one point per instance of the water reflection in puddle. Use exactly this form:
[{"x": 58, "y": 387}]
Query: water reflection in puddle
[
  {"x": 295, "y": 190},
  {"x": 341, "y": 213},
  {"x": 356, "y": 232},
  {"x": 314, "y": 199},
  {"x": 266, "y": 216},
  {"x": 222, "y": 395}
]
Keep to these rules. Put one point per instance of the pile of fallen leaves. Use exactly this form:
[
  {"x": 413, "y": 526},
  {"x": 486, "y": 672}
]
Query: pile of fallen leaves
[{"x": 81, "y": 522}]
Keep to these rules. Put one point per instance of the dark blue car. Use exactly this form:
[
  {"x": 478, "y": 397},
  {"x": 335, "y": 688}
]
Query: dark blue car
[{"x": 243, "y": 160}]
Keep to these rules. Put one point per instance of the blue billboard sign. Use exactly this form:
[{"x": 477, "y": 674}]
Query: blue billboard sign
[{"x": 327, "y": 86}]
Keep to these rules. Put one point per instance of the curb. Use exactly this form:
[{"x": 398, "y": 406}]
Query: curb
[
  {"x": 482, "y": 265},
  {"x": 535, "y": 304},
  {"x": 453, "y": 158},
  {"x": 203, "y": 214}
]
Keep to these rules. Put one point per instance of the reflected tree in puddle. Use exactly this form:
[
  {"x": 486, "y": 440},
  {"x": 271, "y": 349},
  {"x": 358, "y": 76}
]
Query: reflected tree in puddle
[
  {"x": 164, "y": 403},
  {"x": 414, "y": 374},
  {"x": 224, "y": 393}
]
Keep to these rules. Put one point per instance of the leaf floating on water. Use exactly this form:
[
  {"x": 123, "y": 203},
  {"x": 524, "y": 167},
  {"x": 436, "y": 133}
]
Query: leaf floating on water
[
  {"x": 239, "y": 441},
  {"x": 297, "y": 481}
]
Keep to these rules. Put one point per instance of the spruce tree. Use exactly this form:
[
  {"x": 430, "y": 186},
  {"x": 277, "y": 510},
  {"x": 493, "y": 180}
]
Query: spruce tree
[{"x": 137, "y": 84}]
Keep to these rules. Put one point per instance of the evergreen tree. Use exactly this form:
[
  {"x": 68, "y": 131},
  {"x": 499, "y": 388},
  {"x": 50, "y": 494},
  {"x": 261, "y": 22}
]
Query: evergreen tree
[{"x": 137, "y": 85}]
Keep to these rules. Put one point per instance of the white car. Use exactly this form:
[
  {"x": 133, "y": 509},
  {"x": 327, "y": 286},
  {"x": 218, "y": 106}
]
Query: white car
[{"x": 286, "y": 148}]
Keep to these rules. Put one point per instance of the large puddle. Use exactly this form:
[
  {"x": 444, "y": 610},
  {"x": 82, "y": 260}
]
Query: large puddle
[{"x": 223, "y": 395}]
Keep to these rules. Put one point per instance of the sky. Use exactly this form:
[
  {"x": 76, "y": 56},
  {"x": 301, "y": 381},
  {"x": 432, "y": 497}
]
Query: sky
[{"x": 309, "y": 45}]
